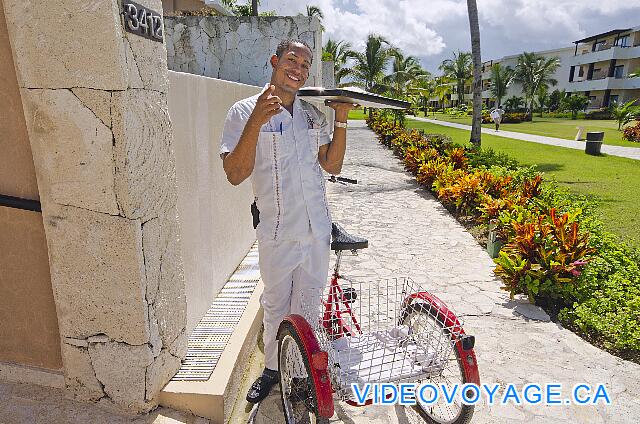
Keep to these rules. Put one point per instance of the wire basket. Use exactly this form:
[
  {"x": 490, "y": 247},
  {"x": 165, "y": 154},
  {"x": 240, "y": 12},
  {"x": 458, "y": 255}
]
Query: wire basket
[{"x": 392, "y": 335}]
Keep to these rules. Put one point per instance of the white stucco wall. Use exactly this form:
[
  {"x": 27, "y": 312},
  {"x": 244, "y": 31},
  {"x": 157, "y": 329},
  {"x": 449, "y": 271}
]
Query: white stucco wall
[
  {"x": 237, "y": 48},
  {"x": 215, "y": 218}
]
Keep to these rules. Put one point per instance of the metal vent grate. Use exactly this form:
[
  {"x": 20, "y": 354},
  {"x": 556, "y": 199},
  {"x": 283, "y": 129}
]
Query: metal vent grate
[{"x": 213, "y": 332}]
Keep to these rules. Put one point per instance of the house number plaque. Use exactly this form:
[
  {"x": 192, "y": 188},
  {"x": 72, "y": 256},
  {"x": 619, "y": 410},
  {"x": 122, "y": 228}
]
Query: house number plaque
[{"x": 142, "y": 21}]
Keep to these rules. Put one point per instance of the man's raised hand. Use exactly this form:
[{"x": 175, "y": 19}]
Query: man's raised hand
[{"x": 267, "y": 106}]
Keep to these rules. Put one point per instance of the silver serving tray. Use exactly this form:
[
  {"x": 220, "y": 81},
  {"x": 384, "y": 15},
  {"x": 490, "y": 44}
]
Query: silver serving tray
[{"x": 350, "y": 95}]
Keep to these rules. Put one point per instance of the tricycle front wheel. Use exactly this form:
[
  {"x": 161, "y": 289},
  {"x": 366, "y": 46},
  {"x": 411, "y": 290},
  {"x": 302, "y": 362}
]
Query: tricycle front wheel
[{"x": 298, "y": 392}]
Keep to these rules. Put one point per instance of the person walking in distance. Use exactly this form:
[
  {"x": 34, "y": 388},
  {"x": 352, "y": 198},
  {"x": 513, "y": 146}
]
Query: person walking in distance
[
  {"x": 496, "y": 114},
  {"x": 283, "y": 144}
]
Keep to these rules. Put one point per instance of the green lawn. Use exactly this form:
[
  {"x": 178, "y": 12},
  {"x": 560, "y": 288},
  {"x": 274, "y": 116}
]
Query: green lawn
[
  {"x": 613, "y": 181},
  {"x": 357, "y": 114},
  {"x": 555, "y": 127}
]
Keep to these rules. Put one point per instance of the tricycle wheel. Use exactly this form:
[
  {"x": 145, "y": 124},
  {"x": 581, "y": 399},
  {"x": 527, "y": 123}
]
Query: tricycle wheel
[
  {"x": 422, "y": 323},
  {"x": 298, "y": 391}
]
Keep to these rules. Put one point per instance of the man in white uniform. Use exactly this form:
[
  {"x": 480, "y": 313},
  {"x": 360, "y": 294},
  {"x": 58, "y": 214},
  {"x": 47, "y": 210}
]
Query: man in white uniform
[
  {"x": 283, "y": 142},
  {"x": 496, "y": 114}
]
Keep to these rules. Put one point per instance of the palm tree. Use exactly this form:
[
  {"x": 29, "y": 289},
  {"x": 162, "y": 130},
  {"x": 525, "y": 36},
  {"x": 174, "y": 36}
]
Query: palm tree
[
  {"x": 474, "y": 28},
  {"x": 533, "y": 71},
  {"x": 405, "y": 70},
  {"x": 422, "y": 89},
  {"x": 501, "y": 79},
  {"x": 458, "y": 69},
  {"x": 338, "y": 52},
  {"x": 368, "y": 69},
  {"x": 513, "y": 104},
  {"x": 443, "y": 89},
  {"x": 634, "y": 75},
  {"x": 315, "y": 11}
]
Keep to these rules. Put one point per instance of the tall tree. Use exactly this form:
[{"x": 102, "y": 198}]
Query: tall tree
[
  {"x": 422, "y": 90},
  {"x": 476, "y": 123},
  {"x": 458, "y": 69},
  {"x": 533, "y": 71},
  {"x": 443, "y": 89},
  {"x": 254, "y": 7},
  {"x": 315, "y": 11},
  {"x": 501, "y": 78},
  {"x": 404, "y": 71},
  {"x": 338, "y": 52},
  {"x": 370, "y": 65}
]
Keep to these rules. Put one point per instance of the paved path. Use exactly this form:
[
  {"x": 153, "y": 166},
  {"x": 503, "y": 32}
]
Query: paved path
[
  {"x": 625, "y": 152},
  {"x": 31, "y": 404},
  {"x": 410, "y": 233}
]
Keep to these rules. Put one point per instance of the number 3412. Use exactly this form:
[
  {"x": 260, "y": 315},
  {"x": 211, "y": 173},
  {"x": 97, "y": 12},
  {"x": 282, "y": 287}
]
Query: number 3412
[{"x": 143, "y": 21}]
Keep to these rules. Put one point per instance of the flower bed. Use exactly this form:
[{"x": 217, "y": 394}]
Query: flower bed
[{"x": 555, "y": 250}]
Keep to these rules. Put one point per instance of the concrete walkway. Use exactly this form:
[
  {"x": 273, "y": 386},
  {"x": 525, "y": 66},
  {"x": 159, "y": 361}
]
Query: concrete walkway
[
  {"x": 625, "y": 152},
  {"x": 411, "y": 234}
]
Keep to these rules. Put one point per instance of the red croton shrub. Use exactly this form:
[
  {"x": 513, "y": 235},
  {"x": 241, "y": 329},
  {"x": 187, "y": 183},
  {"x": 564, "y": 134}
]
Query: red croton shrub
[{"x": 632, "y": 133}]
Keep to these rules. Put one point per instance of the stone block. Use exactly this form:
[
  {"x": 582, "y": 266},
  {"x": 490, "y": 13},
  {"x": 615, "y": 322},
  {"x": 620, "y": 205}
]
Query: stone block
[
  {"x": 179, "y": 346},
  {"x": 124, "y": 384},
  {"x": 98, "y": 101},
  {"x": 72, "y": 148},
  {"x": 97, "y": 273},
  {"x": 52, "y": 44},
  {"x": 133, "y": 72},
  {"x": 160, "y": 372},
  {"x": 154, "y": 333},
  {"x": 150, "y": 57},
  {"x": 145, "y": 170},
  {"x": 80, "y": 378},
  {"x": 163, "y": 261}
]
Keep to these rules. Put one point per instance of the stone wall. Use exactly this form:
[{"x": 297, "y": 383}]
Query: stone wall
[
  {"x": 236, "y": 48},
  {"x": 96, "y": 112},
  {"x": 328, "y": 75}
]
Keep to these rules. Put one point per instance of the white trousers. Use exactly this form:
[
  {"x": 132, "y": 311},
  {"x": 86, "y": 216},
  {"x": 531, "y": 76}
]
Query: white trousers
[{"x": 287, "y": 269}]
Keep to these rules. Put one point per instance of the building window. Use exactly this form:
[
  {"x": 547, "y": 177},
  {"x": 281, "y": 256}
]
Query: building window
[
  {"x": 592, "y": 99},
  {"x": 622, "y": 41},
  {"x": 617, "y": 71},
  {"x": 581, "y": 72}
]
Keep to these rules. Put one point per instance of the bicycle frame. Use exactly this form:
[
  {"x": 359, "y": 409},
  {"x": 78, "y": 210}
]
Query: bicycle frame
[{"x": 333, "y": 321}]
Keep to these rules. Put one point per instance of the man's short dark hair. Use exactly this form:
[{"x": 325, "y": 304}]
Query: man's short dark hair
[{"x": 286, "y": 44}]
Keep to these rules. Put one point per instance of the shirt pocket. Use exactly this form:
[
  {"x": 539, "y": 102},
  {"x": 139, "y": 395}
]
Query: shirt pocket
[{"x": 268, "y": 150}]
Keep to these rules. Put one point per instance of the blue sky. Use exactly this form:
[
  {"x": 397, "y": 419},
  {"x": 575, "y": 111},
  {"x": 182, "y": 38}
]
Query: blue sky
[{"x": 432, "y": 29}]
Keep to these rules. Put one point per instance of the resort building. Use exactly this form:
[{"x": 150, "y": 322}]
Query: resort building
[
  {"x": 515, "y": 89},
  {"x": 600, "y": 66}
]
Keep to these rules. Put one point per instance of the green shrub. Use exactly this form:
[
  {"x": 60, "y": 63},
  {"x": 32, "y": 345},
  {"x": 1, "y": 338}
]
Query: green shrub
[
  {"x": 602, "y": 113},
  {"x": 608, "y": 295}
]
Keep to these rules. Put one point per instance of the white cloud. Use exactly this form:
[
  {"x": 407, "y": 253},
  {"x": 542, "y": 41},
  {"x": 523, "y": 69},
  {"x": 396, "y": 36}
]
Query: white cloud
[{"x": 432, "y": 29}]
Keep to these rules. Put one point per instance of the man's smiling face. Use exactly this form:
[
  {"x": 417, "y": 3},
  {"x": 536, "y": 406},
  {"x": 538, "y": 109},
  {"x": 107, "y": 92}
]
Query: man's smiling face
[{"x": 291, "y": 69}]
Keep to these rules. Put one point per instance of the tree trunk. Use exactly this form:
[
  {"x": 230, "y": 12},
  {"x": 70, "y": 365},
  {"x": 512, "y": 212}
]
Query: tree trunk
[
  {"x": 254, "y": 7},
  {"x": 474, "y": 28}
]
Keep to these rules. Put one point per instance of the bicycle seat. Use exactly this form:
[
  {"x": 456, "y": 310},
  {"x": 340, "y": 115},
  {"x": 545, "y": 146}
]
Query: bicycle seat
[{"x": 345, "y": 241}]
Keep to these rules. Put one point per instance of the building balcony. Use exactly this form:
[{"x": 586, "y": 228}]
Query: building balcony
[
  {"x": 615, "y": 52},
  {"x": 609, "y": 83}
]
